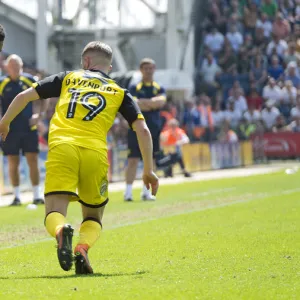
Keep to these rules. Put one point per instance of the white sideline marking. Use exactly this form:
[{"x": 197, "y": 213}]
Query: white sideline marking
[{"x": 259, "y": 196}]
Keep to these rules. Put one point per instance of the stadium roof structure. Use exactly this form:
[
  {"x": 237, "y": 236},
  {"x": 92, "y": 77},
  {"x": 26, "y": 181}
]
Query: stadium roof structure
[{"x": 81, "y": 14}]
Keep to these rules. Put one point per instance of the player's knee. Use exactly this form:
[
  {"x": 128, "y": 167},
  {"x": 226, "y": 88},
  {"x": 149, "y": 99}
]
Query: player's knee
[{"x": 32, "y": 159}]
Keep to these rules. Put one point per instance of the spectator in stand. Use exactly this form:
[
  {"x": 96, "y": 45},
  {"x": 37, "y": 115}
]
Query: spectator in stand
[
  {"x": 291, "y": 74},
  {"x": 275, "y": 70},
  {"x": 240, "y": 103},
  {"x": 250, "y": 18},
  {"x": 232, "y": 115},
  {"x": 289, "y": 94},
  {"x": 245, "y": 129},
  {"x": 296, "y": 36},
  {"x": 269, "y": 7},
  {"x": 210, "y": 70},
  {"x": 291, "y": 55},
  {"x": 243, "y": 61},
  {"x": 258, "y": 73},
  {"x": 269, "y": 114},
  {"x": 248, "y": 45},
  {"x": 217, "y": 115},
  {"x": 191, "y": 119},
  {"x": 214, "y": 41},
  {"x": 295, "y": 112},
  {"x": 295, "y": 125},
  {"x": 235, "y": 9},
  {"x": 254, "y": 99},
  {"x": 252, "y": 115},
  {"x": 216, "y": 15},
  {"x": 280, "y": 124},
  {"x": 272, "y": 91},
  {"x": 234, "y": 21},
  {"x": 297, "y": 8},
  {"x": 206, "y": 127},
  {"x": 277, "y": 46},
  {"x": 227, "y": 134},
  {"x": 265, "y": 24},
  {"x": 260, "y": 40},
  {"x": 281, "y": 27},
  {"x": 259, "y": 56},
  {"x": 235, "y": 87},
  {"x": 228, "y": 60},
  {"x": 235, "y": 38}
]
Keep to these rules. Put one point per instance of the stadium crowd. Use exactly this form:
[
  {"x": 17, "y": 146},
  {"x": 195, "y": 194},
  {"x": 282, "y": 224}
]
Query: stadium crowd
[
  {"x": 249, "y": 70},
  {"x": 248, "y": 74}
]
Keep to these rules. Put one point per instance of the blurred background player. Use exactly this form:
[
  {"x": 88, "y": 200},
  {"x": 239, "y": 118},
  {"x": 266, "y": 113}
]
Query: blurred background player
[
  {"x": 77, "y": 159},
  {"x": 23, "y": 134},
  {"x": 174, "y": 137},
  {"x": 151, "y": 97},
  {"x": 2, "y": 37}
]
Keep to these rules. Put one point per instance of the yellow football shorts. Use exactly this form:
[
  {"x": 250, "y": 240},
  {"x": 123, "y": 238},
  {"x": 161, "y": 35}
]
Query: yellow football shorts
[{"x": 79, "y": 172}]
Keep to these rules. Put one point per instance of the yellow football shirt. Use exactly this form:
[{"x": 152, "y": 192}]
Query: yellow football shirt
[{"x": 89, "y": 101}]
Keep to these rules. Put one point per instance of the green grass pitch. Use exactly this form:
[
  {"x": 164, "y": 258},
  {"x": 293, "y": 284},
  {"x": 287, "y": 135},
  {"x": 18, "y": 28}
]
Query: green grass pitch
[{"x": 235, "y": 238}]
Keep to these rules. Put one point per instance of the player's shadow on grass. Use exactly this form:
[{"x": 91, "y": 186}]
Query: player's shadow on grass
[{"x": 75, "y": 276}]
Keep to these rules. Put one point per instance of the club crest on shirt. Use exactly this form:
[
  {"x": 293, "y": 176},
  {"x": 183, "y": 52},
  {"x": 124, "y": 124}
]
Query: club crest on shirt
[{"x": 103, "y": 188}]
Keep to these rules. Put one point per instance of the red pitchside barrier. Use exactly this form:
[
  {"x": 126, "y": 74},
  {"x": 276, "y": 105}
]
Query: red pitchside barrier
[{"x": 279, "y": 145}]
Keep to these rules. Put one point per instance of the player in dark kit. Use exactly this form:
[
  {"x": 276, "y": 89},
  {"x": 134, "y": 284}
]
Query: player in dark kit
[
  {"x": 150, "y": 97},
  {"x": 2, "y": 37},
  {"x": 23, "y": 136}
]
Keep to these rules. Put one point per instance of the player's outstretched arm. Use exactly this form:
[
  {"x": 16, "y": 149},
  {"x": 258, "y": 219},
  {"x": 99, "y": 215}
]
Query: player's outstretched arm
[
  {"x": 18, "y": 104},
  {"x": 145, "y": 143}
]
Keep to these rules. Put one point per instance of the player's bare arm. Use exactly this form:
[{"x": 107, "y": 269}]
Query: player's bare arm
[
  {"x": 18, "y": 104},
  {"x": 36, "y": 118},
  {"x": 152, "y": 104},
  {"x": 145, "y": 143}
]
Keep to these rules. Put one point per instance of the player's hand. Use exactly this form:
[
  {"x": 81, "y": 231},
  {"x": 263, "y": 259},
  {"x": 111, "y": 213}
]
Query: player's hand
[
  {"x": 34, "y": 120},
  {"x": 4, "y": 130},
  {"x": 151, "y": 181}
]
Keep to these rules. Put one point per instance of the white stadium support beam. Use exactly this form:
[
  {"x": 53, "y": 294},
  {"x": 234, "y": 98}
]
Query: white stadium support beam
[
  {"x": 172, "y": 40},
  {"x": 179, "y": 35},
  {"x": 42, "y": 36}
]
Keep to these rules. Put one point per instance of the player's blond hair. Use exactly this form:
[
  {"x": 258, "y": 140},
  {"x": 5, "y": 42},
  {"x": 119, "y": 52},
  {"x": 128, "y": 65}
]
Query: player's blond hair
[{"x": 99, "y": 52}]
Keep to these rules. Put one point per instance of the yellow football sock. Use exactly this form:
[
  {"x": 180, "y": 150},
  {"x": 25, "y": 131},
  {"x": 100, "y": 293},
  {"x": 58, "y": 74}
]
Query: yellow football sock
[
  {"x": 89, "y": 232},
  {"x": 54, "y": 221}
]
